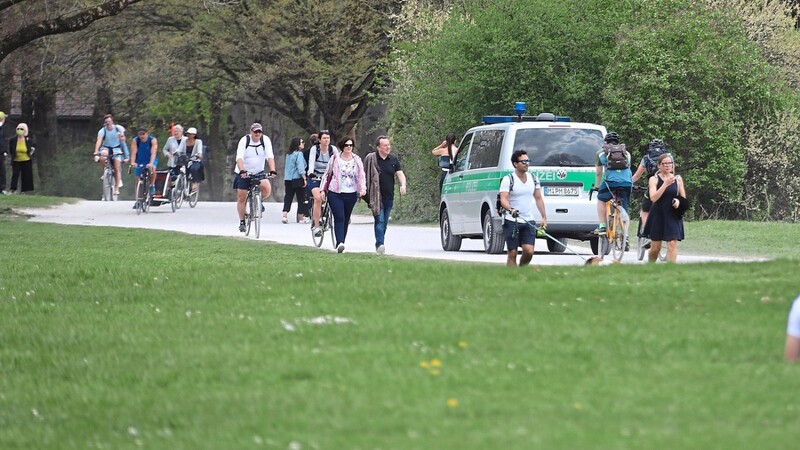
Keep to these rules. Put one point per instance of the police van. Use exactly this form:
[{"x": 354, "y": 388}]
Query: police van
[{"x": 562, "y": 154}]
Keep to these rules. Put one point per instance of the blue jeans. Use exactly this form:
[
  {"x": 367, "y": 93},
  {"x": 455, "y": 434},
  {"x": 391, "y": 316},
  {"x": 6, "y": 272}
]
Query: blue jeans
[
  {"x": 342, "y": 208},
  {"x": 382, "y": 221}
]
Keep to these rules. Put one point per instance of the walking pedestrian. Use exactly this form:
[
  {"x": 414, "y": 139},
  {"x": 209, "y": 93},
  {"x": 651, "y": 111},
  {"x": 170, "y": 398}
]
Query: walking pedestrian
[
  {"x": 294, "y": 180},
  {"x": 381, "y": 169},
  {"x": 343, "y": 183},
  {"x": 21, "y": 149},
  {"x": 518, "y": 191},
  {"x": 665, "y": 221}
]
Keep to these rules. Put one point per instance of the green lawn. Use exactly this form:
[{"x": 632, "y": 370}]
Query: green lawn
[{"x": 116, "y": 338}]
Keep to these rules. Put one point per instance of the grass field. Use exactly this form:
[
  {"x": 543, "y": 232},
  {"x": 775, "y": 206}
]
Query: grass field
[{"x": 116, "y": 338}]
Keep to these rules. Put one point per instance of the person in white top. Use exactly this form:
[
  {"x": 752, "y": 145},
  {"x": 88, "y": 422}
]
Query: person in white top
[
  {"x": 517, "y": 201},
  {"x": 252, "y": 154},
  {"x": 793, "y": 333}
]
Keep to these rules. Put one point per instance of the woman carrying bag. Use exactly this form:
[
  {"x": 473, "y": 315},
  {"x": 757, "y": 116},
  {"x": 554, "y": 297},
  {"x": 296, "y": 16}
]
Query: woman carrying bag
[{"x": 294, "y": 181}]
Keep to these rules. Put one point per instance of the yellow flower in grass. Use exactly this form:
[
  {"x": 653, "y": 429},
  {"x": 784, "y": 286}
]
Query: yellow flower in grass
[
  {"x": 462, "y": 344},
  {"x": 424, "y": 364},
  {"x": 435, "y": 372},
  {"x": 452, "y": 402},
  {"x": 436, "y": 363}
]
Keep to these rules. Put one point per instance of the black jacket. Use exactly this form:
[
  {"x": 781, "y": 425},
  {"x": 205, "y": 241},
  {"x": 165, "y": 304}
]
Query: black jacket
[{"x": 12, "y": 147}]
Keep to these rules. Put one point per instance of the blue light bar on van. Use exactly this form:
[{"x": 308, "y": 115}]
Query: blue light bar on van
[{"x": 544, "y": 117}]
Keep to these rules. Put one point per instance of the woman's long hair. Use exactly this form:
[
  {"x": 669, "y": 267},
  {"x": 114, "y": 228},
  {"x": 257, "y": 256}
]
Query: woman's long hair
[
  {"x": 295, "y": 145},
  {"x": 451, "y": 141}
]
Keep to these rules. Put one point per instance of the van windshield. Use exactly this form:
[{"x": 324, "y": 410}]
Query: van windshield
[{"x": 564, "y": 147}]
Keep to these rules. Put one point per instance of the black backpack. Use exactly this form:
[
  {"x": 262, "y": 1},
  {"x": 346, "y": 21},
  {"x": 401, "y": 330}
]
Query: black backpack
[
  {"x": 651, "y": 160},
  {"x": 615, "y": 157},
  {"x": 498, "y": 206}
]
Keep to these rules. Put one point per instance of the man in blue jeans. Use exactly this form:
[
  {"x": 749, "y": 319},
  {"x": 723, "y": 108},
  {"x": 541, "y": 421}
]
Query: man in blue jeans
[{"x": 381, "y": 169}]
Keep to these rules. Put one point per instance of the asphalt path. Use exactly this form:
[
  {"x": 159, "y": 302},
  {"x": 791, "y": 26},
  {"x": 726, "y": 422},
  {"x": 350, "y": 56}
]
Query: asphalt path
[{"x": 219, "y": 219}]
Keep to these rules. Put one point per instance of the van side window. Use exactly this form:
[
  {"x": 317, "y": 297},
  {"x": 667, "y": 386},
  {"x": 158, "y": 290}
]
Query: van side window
[
  {"x": 460, "y": 163},
  {"x": 486, "y": 148}
]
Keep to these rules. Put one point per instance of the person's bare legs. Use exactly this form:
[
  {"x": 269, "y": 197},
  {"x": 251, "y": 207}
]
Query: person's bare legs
[
  {"x": 317, "y": 208},
  {"x": 241, "y": 196},
  {"x": 672, "y": 251},
  {"x": 118, "y": 174},
  {"x": 527, "y": 255},
  {"x": 511, "y": 260},
  {"x": 792, "y": 353},
  {"x": 655, "y": 248}
]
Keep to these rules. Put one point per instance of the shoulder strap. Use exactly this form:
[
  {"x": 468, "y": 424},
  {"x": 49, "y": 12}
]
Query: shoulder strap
[
  {"x": 511, "y": 182},
  {"x": 247, "y": 142}
]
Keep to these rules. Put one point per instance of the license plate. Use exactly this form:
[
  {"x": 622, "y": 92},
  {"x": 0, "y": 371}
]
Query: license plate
[{"x": 562, "y": 191}]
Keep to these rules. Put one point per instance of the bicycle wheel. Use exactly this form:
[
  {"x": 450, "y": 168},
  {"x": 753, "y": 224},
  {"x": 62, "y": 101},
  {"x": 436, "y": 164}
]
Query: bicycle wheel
[
  {"x": 140, "y": 187},
  {"x": 329, "y": 221},
  {"x": 194, "y": 194},
  {"x": 180, "y": 186},
  {"x": 323, "y": 219},
  {"x": 619, "y": 237},
  {"x": 148, "y": 198},
  {"x": 257, "y": 213},
  {"x": 641, "y": 241},
  {"x": 173, "y": 199},
  {"x": 248, "y": 214},
  {"x": 108, "y": 187}
]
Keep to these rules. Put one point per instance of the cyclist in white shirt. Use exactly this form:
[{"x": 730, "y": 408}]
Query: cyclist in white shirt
[
  {"x": 517, "y": 200},
  {"x": 253, "y": 152},
  {"x": 793, "y": 333}
]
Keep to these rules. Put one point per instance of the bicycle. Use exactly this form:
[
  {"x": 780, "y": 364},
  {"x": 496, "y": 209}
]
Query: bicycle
[
  {"x": 109, "y": 181},
  {"x": 253, "y": 203},
  {"x": 641, "y": 244},
  {"x": 617, "y": 220},
  {"x": 325, "y": 225},
  {"x": 143, "y": 195},
  {"x": 184, "y": 188},
  {"x": 192, "y": 192}
]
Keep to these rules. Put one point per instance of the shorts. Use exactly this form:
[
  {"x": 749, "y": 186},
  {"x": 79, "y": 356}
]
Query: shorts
[
  {"x": 243, "y": 184},
  {"x": 312, "y": 183},
  {"x": 793, "y": 327},
  {"x": 646, "y": 203},
  {"x": 115, "y": 151},
  {"x": 623, "y": 190},
  {"x": 141, "y": 167},
  {"x": 517, "y": 234}
]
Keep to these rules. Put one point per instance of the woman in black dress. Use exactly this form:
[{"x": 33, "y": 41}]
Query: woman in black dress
[{"x": 664, "y": 222}]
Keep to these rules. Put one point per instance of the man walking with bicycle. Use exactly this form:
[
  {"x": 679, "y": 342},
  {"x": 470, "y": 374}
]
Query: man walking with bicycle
[
  {"x": 252, "y": 154},
  {"x": 613, "y": 174},
  {"x": 518, "y": 191}
]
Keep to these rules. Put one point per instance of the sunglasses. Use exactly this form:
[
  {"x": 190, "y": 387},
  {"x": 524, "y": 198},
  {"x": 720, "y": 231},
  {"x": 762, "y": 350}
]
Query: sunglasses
[
  {"x": 20, "y": 129},
  {"x": 667, "y": 163},
  {"x": 347, "y": 145},
  {"x": 257, "y": 131},
  {"x": 524, "y": 161}
]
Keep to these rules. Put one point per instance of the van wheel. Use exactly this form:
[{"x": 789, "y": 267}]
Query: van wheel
[
  {"x": 594, "y": 244},
  {"x": 492, "y": 239},
  {"x": 556, "y": 246},
  {"x": 450, "y": 243}
]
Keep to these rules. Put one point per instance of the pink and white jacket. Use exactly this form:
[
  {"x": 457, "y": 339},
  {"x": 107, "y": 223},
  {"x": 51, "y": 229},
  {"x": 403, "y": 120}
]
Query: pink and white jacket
[{"x": 332, "y": 177}]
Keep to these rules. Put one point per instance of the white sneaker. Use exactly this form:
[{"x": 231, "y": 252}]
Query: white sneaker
[
  {"x": 317, "y": 231},
  {"x": 285, "y": 219},
  {"x": 120, "y": 183},
  {"x": 340, "y": 248},
  {"x": 381, "y": 249},
  {"x": 306, "y": 220}
]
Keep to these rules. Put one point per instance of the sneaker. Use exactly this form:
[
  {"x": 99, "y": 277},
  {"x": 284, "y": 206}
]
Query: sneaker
[
  {"x": 285, "y": 219},
  {"x": 381, "y": 249},
  {"x": 317, "y": 231},
  {"x": 305, "y": 220},
  {"x": 600, "y": 231},
  {"x": 121, "y": 183},
  {"x": 627, "y": 246},
  {"x": 262, "y": 207},
  {"x": 135, "y": 205},
  {"x": 152, "y": 189},
  {"x": 340, "y": 248},
  {"x": 646, "y": 244},
  {"x": 242, "y": 227}
]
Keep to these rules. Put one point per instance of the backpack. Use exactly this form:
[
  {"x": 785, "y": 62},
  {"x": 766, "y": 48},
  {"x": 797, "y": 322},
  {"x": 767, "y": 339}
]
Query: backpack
[
  {"x": 247, "y": 143},
  {"x": 498, "y": 206},
  {"x": 615, "y": 157},
  {"x": 307, "y": 154},
  {"x": 651, "y": 160}
]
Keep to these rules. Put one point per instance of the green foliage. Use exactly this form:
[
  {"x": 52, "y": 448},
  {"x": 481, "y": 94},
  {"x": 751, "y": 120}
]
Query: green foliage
[
  {"x": 688, "y": 75},
  {"x": 485, "y": 58},
  {"x": 169, "y": 341}
]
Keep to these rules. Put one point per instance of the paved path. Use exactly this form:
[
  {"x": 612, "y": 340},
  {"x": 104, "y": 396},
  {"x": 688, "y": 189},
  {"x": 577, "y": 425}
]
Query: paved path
[{"x": 219, "y": 219}]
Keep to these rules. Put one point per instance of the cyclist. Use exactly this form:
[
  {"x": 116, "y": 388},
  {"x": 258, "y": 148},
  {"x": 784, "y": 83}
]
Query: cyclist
[
  {"x": 318, "y": 158},
  {"x": 171, "y": 147},
  {"x": 144, "y": 151},
  {"x": 517, "y": 203},
  {"x": 111, "y": 141},
  {"x": 252, "y": 153},
  {"x": 649, "y": 166},
  {"x": 615, "y": 175},
  {"x": 193, "y": 147}
]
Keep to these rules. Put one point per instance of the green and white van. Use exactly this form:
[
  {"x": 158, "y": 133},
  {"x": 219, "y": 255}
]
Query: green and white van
[{"x": 562, "y": 155}]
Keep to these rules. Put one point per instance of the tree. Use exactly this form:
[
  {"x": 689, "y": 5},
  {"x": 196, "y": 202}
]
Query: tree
[{"x": 26, "y": 21}]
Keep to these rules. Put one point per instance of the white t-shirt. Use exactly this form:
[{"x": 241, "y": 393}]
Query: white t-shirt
[
  {"x": 255, "y": 155},
  {"x": 521, "y": 196},
  {"x": 793, "y": 326}
]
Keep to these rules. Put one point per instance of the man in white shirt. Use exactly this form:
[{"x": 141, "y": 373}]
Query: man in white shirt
[
  {"x": 253, "y": 152},
  {"x": 518, "y": 191}
]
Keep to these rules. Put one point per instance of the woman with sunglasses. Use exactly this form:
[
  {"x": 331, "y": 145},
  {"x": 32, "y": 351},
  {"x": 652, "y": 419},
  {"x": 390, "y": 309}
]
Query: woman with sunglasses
[
  {"x": 665, "y": 221},
  {"x": 344, "y": 182},
  {"x": 20, "y": 147}
]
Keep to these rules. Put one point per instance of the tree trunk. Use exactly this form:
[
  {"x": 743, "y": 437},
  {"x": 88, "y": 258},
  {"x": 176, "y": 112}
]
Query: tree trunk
[{"x": 45, "y": 126}]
